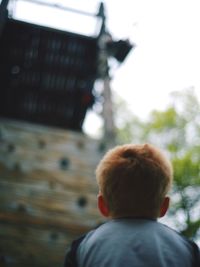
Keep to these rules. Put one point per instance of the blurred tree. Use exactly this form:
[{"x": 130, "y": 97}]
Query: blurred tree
[{"x": 177, "y": 131}]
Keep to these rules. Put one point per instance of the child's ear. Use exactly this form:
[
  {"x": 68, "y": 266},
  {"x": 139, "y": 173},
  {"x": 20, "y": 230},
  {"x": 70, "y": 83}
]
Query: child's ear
[
  {"x": 102, "y": 206},
  {"x": 164, "y": 206}
]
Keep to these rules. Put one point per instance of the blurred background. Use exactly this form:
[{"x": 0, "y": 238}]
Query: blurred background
[{"x": 76, "y": 78}]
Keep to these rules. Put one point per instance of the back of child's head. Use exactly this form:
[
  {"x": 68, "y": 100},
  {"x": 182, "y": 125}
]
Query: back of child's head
[{"x": 134, "y": 179}]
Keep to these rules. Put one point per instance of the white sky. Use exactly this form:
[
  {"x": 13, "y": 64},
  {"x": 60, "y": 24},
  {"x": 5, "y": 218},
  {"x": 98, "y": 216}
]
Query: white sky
[
  {"x": 167, "y": 53},
  {"x": 167, "y": 56}
]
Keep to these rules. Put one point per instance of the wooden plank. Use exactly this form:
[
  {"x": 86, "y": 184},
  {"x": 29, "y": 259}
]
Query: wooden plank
[
  {"x": 44, "y": 148},
  {"x": 42, "y": 136},
  {"x": 47, "y": 160},
  {"x": 69, "y": 180},
  {"x": 21, "y": 219},
  {"x": 56, "y": 205},
  {"x": 24, "y": 245}
]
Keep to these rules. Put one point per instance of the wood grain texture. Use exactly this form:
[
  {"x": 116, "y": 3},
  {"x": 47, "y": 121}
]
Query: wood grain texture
[
  {"x": 25, "y": 245},
  {"x": 47, "y": 192}
]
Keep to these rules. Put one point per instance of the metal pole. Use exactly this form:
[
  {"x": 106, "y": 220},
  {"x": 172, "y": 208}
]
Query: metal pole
[
  {"x": 109, "y": 128},
  {"x": 3, "y": 14}
]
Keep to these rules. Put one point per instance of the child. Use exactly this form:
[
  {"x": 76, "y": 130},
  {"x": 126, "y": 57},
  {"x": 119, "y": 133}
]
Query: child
[{"x": 133, "y": 184}]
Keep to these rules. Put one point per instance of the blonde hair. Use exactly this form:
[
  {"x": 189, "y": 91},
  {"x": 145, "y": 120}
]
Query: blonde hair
[{"x": 134, "y": 179}]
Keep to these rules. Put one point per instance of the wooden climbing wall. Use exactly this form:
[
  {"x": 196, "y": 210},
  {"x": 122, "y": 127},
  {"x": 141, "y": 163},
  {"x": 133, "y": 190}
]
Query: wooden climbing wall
[{"x": 47, "y": 192}]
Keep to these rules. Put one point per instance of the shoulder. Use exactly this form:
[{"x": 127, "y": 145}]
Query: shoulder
[
  {"x": 190, "y": 244},
  {"x": 70, "y": 257},
  {"x": 196, "y": 254},
  {"x": 71, "y": 254}
]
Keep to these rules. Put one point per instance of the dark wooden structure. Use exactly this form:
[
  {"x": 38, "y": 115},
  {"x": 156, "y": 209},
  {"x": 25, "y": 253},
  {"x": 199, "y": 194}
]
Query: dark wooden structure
[{"x": 46, "y": 75}]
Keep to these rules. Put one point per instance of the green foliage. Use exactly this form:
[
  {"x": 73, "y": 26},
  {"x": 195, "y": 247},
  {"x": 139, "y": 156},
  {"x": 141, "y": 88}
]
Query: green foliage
[
  {"x": 165, "y": 120},
  {"x": 186, "y": 170},
  {"x": 177, "y": 131}
]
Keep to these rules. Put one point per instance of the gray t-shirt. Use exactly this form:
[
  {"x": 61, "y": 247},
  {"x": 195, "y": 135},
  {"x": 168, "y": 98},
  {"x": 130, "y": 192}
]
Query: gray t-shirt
[{"x": 136, "y": 243}]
